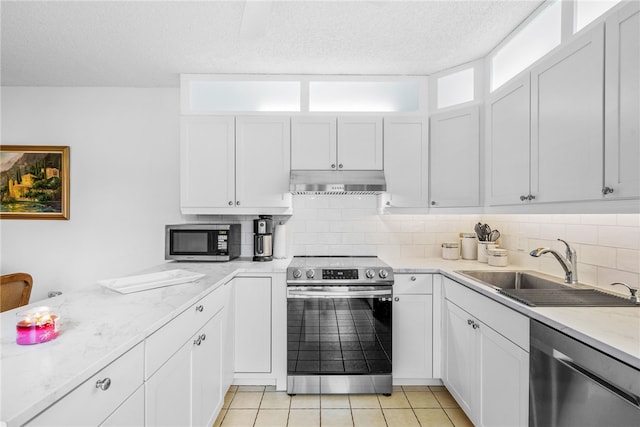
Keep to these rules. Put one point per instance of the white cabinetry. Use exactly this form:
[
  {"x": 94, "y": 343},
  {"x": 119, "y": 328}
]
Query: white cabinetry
[
  {"x": 330, "y": 143},
  {"x": 185, "y": 365},
  {"x": 622, "y": 103},
  {"x": 567, "y": 121},
  {"x": 207, "y": 162},
  {"x": 234, "y": 165},
  {"x": 405, "y": 161},
  {"x": 486, "y": 359},
  {"x": 455, "y": 158},
  {"x": 509, "y": 143},
  {"x": 101, "y": 396},
  {"x": 263, "y": 162},
  {"x": 412, "y": 325},
  {"x": 252, "y": 317}
]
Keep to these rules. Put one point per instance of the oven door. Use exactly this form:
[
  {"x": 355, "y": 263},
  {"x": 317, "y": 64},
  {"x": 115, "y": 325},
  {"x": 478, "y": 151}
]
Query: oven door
[{"x": 338, "y": 332}]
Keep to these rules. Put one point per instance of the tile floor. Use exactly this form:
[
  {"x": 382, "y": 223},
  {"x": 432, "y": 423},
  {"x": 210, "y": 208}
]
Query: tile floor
[{"x": 258, "y": 406}]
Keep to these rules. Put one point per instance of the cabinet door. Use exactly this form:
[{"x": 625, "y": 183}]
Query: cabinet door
[
  {"x": 567, "y": 121},
  {"x": 503, "y": 368},
  {"x": 168, "y": 391},
  {"x": 313, "y": 143},
  {"x": 130, "y": 413},
  {"x": 252, "y": 324},
  {"x": 228, "y": 336},
  {"x": 263, "y": 162},
  {"x": 455, "y": 158},
  {"x": 509, "y": 143},
  {"x": 206, "y": 372},
  {"x": 459, "y": 356},
  {"x": 622, "y": 103},
  {"x": 207, "y": 159},
  {"x": 406, "y": 161},
  {"x": 360, "y": 143},
  {"x": 412, "y": 337}
]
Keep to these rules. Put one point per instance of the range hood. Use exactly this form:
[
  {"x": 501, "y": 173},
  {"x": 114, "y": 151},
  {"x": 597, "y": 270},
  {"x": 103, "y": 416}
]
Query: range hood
[{"x": 337, "y": 182}]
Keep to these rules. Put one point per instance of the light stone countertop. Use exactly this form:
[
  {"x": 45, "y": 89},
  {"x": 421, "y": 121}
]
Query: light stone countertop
[
  {"x": 98, "y": 325},
  {"x": 613, "y": 330}
]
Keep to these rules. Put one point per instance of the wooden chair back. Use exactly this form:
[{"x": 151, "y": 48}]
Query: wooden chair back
[{"x": 15, "y": 290}]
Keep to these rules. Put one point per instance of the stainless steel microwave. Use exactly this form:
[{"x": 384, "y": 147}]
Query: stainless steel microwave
[{"x": 202, "y": 242}]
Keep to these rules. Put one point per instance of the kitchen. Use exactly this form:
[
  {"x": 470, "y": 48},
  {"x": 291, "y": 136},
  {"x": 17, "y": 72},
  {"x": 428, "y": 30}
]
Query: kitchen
[{"x": 110, "y": 127}]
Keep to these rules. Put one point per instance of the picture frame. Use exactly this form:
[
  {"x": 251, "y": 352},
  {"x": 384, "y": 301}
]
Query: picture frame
[{"x": 34, "y": 182}]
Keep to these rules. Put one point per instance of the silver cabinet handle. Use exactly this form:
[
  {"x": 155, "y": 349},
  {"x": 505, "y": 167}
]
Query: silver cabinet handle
[
  {"x": 238, "y": 203},
  {"x": 433, "y": 203},
  {"x": 396, "y": 299},
  {"x": 469, "y": 322},
  {"x": 203, "y": 336},
  {"x": 475, "y": 325},
  {"x": 104, "y": 384},
  {"x": 230, "y": 203},
  {"x": 200, "y": 308},
  {"x": 523, "y": 198},
  {"x": 197, "y": 341},
  {"x": 531, "y": 197},
  {"x": 333, "y": 165},
  {"x": 413, "y": 278},
  {"x": 607, "y": 190},
  {"x": 388, "y": 203},
  {"x": 340, "y": 165}
]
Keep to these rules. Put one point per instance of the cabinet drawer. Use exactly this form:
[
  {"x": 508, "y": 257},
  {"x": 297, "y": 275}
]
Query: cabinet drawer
[
  {"x": 160, "y": 345},
  {"x": 90, "y": 405},
  {"x": 514, "y": 326},
  {"x": 413, "y": 284}
]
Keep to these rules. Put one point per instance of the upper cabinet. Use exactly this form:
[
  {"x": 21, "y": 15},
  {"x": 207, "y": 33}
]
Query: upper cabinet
[
  {"x": 622, "y": 104},
  {"x": 455, "y": 158},
  {"x": 231, "y": 165},
  {"x": 330, "y": 143},
  {"x": 509, "y": 145},
  {"x": 567, "y": 122},
  {"x": 405, "y": 161}
]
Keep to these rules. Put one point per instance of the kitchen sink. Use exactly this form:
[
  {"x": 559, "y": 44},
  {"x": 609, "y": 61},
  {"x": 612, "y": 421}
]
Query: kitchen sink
[
  {"x": 537, "y": 289},
  {"x": 515, "y": 279}
]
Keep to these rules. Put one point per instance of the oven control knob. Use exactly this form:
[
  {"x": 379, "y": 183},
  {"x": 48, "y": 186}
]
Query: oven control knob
[
  {"x": 370, "y": 273},
  {"x": 310, "y": 274},
  {"x": 383, "y": 274},
  {"x": 297, "y": 274}
]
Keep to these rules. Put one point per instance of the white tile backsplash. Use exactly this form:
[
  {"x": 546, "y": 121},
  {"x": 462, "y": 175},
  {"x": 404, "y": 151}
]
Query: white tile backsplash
[{"x": 608, "y": 245}]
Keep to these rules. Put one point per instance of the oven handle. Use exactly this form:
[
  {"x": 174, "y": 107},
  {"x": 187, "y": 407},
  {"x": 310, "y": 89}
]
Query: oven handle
[{"x": 291, "y": 293}]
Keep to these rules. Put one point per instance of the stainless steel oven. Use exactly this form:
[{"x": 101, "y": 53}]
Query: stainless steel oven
[{"x": 339, "y": 325}]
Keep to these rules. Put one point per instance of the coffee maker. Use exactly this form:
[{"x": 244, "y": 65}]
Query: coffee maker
[{"x": 263, "y": 238}]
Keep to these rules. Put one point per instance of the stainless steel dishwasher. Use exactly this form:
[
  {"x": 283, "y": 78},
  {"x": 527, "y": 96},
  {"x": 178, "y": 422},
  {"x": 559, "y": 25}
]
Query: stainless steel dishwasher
[{"x": 573, "y": 384}]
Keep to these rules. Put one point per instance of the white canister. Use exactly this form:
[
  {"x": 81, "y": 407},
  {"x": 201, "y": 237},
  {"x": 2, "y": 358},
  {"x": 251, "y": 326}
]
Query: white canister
[
  {"x": 450, "y": 250},
  {"x": 498, "y": 257},
  {"x": 483, "y": 247},
  {"x": 469, "y": 245}
]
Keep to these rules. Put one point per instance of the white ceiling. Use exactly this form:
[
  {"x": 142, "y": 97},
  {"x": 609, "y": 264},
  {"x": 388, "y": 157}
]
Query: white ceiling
[{"x": 149, "y": 43}]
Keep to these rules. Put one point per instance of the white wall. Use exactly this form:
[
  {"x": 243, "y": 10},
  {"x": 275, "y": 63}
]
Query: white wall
[{"x": 124, "y": 152}]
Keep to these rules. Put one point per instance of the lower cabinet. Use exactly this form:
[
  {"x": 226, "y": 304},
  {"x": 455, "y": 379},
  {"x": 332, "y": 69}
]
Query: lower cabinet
[
  {"x": 188, "y": 388},
  {"x": 104, "y": 397},
  {"x": 252, "y": 321},
  {"x": 412, "y": 325},
  {"x": 486, "y": 366}
]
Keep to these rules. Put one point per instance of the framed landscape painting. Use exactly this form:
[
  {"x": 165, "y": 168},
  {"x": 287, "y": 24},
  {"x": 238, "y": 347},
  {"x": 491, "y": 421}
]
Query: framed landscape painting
[{"x": 34, "y": 182}]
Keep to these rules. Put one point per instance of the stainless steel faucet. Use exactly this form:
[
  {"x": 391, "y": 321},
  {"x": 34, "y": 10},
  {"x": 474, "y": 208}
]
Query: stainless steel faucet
[{"x": 569, "y": 262}]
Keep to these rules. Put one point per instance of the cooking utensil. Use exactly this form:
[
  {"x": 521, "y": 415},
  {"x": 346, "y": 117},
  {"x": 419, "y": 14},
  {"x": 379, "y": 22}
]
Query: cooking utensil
[
  {"x": 494, "y": 235},
  {"x": 480, "y": 231}
]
